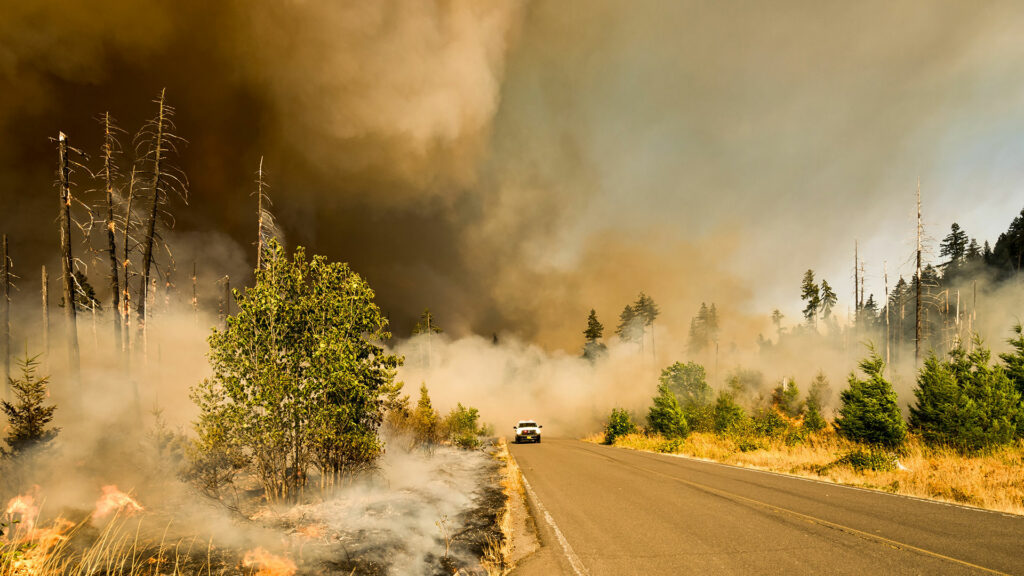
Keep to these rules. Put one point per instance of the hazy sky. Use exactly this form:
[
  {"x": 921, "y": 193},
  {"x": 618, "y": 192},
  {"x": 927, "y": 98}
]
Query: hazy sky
[{"x": 512, "y": 165}]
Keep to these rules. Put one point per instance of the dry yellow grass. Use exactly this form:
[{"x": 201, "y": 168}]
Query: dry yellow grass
[
  {"x": 498, "y": 554},
  {"x": 994, "y": 481},
  {"x": 117, "y": 551}
]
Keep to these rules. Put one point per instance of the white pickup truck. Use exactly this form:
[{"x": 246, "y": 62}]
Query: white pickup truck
[{"x": 527, "y": 431}]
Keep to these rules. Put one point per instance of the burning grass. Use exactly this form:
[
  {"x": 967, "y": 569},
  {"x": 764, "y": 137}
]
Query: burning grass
[{"x": 991, "y": 481}]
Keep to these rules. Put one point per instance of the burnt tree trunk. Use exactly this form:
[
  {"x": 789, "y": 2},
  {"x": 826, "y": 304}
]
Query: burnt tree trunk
[
  {"x": 45, "y": 290},
  {"x": 108, "y": 180},
  {"x": 126, "y": 264},
  {"x": 5, "y": 309},
  {"x": 150, "y": 230},
  {"x": 67, "y": 264}
]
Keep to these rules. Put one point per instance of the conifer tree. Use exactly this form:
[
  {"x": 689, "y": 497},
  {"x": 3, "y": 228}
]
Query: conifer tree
[
  {"x": 870, "y": 412},
  {"x": 593, "y": 348},
  {"x": 666, "y": 415},
  {"x": 954, "y": 245},
  {"x": 28, "y": 416},
  {"x": 630, "y": 327},
  {"x": 426, "y": 324},
  {"x": 828, "y": 299},
  {"x": 810, "y": 293},
  {"x": 965, "y": 402}
]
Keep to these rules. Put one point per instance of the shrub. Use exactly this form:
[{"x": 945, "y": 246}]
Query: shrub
[
  {"x": 727, "y": 413},
  {"x": 619, "y": 424},
  {"x": 869, "y": 411},
  {"x": 965, "y": 403},
  {"x": 813, "y": 420},
  {"x": 860, "y": 459},
  {"x": 462, "y": 426},
  {"x": 770, "y": 423},
  {"x": 786, "y": 398},
  {"x": 666, "y": 416}
]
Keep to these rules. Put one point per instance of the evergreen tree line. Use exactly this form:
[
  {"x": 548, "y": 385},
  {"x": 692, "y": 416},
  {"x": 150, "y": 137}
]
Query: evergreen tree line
[{"x": 963, "y": 402}]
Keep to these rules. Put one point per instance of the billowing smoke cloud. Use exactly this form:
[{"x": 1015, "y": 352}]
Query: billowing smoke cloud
[{"x": 511, "y": 165}]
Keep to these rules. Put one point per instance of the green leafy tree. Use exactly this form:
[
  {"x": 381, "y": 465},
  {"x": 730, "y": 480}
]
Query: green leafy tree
[
  {"x": 666, "y": 415},
  {"x": 811, "y": 295},
  {"x": 619, "y": 424},
  {"x": 300, "y": 378},
  {"x": 28, "y": 416},
  {"x": 593, "y": 348},
  {"x": 688, "y": 382},
  {"x": 965, "y": 402},
  {"x": 869, "y": 411},
  {"x": 463, "y": 428}
]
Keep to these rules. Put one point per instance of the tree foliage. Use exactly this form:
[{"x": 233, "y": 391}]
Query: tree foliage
[
  {"x": 593, "y": 348},
  {"x": 28, "y": 416},
  {"x": 299, "y": 375},
  {"x": 666, "y": 415},
  {"x": 619, "y": 424},
  {"x": 786, "y": 398},
  {"x": 426, "y": 324},
  {"x": 703, "y": 329},
  {"x": 965, "y": 402},
  {"x": 631, "y": 326},
  {"x": 869, "y": 411},
  {"x": 811, "y": 295}
]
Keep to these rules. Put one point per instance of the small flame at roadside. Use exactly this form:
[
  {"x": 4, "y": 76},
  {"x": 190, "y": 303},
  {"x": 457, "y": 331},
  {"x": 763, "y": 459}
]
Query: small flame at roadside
[
  {"x": 268, "y": 564},
  {"x": 115, "y": 500}
]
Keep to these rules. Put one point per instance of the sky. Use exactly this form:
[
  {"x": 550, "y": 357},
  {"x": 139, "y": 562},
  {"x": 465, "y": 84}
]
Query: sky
[{"x": 513, "y": 164}]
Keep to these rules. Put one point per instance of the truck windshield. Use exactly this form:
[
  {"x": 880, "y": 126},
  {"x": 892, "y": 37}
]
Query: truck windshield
[{"x": 527, "y": 425}]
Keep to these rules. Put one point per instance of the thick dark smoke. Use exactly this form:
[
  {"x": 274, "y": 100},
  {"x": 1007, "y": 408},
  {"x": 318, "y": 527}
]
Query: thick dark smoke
[{"x": 512, "y": 165}]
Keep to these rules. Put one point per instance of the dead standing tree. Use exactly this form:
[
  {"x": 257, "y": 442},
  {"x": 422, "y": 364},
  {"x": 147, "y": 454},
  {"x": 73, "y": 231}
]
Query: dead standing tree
[
  {"x": 109, "y": 173},
  {"x": 5, "y": 309},
  {"x": 66, "y": 260},
  {"x": 159, "y": 140}
]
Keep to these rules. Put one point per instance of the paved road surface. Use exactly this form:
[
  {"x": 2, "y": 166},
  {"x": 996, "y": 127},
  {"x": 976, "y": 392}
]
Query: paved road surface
[{"x": 603, "y": 510}]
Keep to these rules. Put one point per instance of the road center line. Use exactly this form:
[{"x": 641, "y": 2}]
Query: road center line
[
  {"x": 570, "y": 555},
  {"x": 808, "y": 518}
]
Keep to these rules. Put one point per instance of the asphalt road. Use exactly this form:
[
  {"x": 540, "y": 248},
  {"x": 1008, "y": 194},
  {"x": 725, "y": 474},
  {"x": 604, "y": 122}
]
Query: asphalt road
[{"x": 603, "y": 510}]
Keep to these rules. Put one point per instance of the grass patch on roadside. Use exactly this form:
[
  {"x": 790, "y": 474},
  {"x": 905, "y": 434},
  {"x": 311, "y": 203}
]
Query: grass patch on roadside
[{"x": 994, "y": 480}]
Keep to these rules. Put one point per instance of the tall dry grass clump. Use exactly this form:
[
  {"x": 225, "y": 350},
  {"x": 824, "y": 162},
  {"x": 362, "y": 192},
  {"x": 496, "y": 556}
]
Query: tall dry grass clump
[{"x": 992, "y": 480}]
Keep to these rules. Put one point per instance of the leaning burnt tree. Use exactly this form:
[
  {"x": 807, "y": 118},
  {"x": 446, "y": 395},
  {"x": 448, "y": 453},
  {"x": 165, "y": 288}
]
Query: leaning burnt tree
[
  {"x": 66, "y": 259},
  {"x": 159, "y": 141},
  {"x": 5, "y": 309}
]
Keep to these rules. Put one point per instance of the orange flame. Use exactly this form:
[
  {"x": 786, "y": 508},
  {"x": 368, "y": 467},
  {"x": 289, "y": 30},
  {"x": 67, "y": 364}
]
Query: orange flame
[
  {"x": 25, "y": 507},
  {"x": 38, "y": 548},
  {"x": 115, "y": 500},
  {"x": 268, "y": 564}
]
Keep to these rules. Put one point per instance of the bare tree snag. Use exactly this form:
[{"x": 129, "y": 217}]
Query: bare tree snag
[
  {"x": 109, "y": 144},
  {"x": 195, "y": 295},
  {"x": 157, "y": 152},
  {"x": 917, "y": 324},
  {"x": 67, "y": 264},
  {"x": 126, "y": 264},
  {"x": 259, "y": 222},
  {"x": 5, "y": 308},
  {"x": 46, "y": 312}
]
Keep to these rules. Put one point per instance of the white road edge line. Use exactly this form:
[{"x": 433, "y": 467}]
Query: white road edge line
[{"x": 574, "y": 560}]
